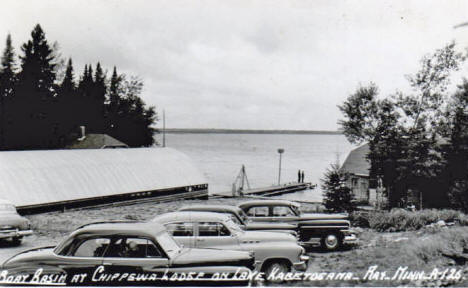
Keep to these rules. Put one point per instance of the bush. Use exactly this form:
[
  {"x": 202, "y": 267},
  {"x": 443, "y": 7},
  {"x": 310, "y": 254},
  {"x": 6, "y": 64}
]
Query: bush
[{"x": 402, "y": 220}]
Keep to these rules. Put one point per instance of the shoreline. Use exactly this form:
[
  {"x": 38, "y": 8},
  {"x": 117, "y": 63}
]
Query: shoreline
[{"x": 246, "y": 131}]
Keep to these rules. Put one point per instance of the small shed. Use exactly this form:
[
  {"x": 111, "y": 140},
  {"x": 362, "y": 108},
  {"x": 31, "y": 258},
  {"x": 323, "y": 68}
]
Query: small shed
[
  {"x": 56, "y": 179},
  {"x": 96, "y": 141}
]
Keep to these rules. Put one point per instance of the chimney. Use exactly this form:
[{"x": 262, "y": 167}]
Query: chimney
[{"x": 83, "y": 133}]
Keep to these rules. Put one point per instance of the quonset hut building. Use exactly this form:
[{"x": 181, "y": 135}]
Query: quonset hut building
[{"x": 44, "y": 180}]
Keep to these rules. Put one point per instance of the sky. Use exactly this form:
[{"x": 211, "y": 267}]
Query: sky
[{"x": 246, "y": 64}]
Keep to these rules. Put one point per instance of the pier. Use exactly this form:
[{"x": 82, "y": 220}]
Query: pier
[{"x": 266, "y": 191}]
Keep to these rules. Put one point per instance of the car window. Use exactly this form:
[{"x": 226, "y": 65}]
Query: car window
[
  {"x": 259, "y": 211},
  {"x": 180, "y": 229},
  {"x": 92, "y": 247},
  {"x": 132, "y": 247},
  {"x": 212, "y": 229},
  {"x": 282, "y": 211}
]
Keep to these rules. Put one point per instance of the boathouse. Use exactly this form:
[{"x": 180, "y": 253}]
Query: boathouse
[
  {"x": 357, "y": 167},
  {"x": 43, "y": 180}
]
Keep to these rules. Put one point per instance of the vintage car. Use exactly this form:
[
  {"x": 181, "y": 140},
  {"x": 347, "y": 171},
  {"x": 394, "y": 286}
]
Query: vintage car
[
  {"x": 121, "y": 253},
  {"x": 12, "y": 226},
  {"x": 329, "y": 231},
  {"x": 272, "y": 250},
  {"x": 240, "y": 218}
]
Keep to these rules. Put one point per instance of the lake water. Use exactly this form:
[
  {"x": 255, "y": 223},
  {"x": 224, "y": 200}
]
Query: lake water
[{"x": 221, "y": 156}]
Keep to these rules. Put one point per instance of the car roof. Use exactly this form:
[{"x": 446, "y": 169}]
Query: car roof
[
  {"x": 217, "y": 208},
  {"x": 272, "y": 202},
  {"x": 119, "y": 228},
  {"x": 190, "y": 216}
]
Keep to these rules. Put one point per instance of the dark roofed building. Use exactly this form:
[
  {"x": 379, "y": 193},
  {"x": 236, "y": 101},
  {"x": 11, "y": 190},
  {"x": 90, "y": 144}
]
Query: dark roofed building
[{"x": 96, "y": 141}]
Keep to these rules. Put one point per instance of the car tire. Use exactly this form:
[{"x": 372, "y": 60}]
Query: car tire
[
  {"x": 281, "y": 265},
  {"x": 16, "y": 240},
  {"x": 331, "y": 242}
]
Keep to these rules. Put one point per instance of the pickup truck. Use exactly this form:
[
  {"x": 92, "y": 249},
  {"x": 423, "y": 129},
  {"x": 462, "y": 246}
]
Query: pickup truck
[{"x": 330, "y": 231}]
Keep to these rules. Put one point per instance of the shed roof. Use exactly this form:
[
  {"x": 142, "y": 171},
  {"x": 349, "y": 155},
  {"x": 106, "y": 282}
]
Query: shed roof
[
  {"x": 48, "y": 176},
  {"x": 97, "y": 141},
  {"x": 356, "y": 163}
]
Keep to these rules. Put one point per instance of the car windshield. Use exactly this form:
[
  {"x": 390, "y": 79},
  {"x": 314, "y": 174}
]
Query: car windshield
[
  {"x": 244, "y": 216},
  {"x": 296, "y": 210},
  {"x": 7, "y": 208},
  {"x": 168, "y": 244},
  {"x": 233, "y": 226}
]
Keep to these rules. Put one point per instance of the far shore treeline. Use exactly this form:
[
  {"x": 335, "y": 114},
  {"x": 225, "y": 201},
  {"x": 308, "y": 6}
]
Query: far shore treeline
[{"x": 43, "y": 104}]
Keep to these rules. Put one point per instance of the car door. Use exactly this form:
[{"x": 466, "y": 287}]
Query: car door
[
  {"x": 215, "y": 235},
  {"x": 183, "y": 233},
  {"x": 283, "y": 214},
  {"x": 133, "y": 254}
]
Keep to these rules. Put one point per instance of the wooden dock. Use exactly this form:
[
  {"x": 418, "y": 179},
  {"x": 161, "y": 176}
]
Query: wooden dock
[{"x": 267, "y": 191}]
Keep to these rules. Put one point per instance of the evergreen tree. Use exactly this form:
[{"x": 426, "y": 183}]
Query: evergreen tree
[
  {"x": 34, "y": 100},
  {"x": 98, "y": 99},
  {"x": 8, "y": 81},
  {"x": 67, "y": 105},
  {"x": 337, "y": 196}
]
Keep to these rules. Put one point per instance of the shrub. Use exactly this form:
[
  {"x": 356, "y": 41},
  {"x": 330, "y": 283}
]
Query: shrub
[{"x": 403, "y": 220}]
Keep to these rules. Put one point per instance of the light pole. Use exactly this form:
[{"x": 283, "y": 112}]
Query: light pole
[{"x": 280, "y": 151}]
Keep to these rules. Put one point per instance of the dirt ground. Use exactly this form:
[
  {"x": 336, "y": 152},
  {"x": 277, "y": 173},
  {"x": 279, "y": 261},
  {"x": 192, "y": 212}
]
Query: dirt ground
[{"x": 388, "y": 251}]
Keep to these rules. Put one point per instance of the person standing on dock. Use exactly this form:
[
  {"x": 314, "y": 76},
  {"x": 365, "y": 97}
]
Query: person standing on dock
[
  {"x": 302, "y": 176},
  {"x": 299, "y": 176}
]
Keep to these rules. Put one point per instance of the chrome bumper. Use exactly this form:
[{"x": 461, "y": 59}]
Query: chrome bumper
[
  {"x": 301, "y": 266},
  {"x": 14, "y": 233},
  {"x": 350, "y": 239}
]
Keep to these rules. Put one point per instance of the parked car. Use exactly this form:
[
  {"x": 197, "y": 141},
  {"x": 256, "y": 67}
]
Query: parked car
[
  {"x": 141, "y": 248},
  {"x": 331, "y": 231},
  {"x": 12, "y": 226},
  {"x": 239, "y": 217},
  {"x": 272, "y": 250}
]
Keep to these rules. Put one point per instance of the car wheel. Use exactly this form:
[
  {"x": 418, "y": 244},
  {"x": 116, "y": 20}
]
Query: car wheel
[
  {"x": 277, "y": 267},
  {"x": 331, "y": 242},
  {"x": 16, "y": 240}
]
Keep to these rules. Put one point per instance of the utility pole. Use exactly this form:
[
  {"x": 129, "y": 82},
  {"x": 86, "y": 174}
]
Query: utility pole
[
  {"x": 164, "y": 128},
  {"x": 280, "y": 151}
]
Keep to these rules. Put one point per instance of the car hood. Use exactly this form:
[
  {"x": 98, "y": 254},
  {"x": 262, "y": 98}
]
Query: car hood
[
  {"x": 40, "y": 254},
  {"x": 209, "y": 256},
  {"x": 266, "y": 236},
  {"x": 269, "y": 226},
  {"x": 11, "y": 219}
]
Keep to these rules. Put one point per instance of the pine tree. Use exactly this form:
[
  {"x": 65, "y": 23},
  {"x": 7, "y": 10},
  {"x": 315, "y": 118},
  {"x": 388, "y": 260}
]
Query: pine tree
[
  {"x": 35, "y": 95},
  {"x": 8, "y": 81},
  {"x": 337, "y": 196},
  {"x": 67, "y": 105},
  {"x": 98, "y": 95}
]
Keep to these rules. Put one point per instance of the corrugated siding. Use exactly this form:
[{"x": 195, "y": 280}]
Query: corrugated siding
[{"x": 37, "y": 177}]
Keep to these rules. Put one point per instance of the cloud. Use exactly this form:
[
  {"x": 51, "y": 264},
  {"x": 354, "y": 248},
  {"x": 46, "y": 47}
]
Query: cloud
[{"x": 246, "y": 64}]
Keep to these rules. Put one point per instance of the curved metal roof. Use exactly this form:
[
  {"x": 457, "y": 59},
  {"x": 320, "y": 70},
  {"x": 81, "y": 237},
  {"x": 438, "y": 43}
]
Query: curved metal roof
[{"x": 47, "y": 176}]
